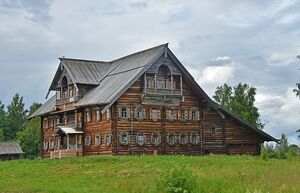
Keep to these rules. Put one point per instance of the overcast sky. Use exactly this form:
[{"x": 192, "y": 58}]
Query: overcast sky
[{"x": 254, "y": 42}]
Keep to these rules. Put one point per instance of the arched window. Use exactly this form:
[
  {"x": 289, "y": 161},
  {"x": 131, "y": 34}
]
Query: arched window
[
  {"x": 183, "y": 138},
  {"x": 140, "y": 138},
  {"x": 171, "y": 139},
  {"x": 155, "y": 139},
  {"x": 124, "y": 138},
  {"x": 64, "y": 86}
]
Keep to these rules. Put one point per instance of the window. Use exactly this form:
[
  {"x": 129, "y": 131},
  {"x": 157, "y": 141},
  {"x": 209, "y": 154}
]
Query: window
[
  {"x": 124, "y": 112},
  {"x": 140, "y": 138},
  {"x": 97, "y": 139},
  {"x": 45, "y": 145},
  {"x": 52, "y": 144},
  {"x": 171, "y": 139},
  {"x": 194, "y": 138},
  {"x": 98, "y": 116},
  {"x": 71, "y": 92},
  {"x": 87, "y": 117},
  {"x": 154, "y": 114},
  {"x": 45, "y": 123},
  {"x": 88, "y": 140},
  {"x": 139, "y": 113},
  {"x": 182, "y": 115},
  {"x": 155, "y": 139},
  {"x": 57, "y": 95},
  {"x": 107, "y": 114},
  {"x": 213, "y": 131},
  {"x": 183, "y": 138},
  {"x": 160, "y": 84},
  {"x": 193, "y": 116},
  {"x": 170, "y": 115},
  {"x": 124, "y": 138},
  {"x": 107, "y": 138}
]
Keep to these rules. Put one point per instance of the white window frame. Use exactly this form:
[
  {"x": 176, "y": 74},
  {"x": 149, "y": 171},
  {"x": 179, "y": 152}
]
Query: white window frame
[
  {"x": 139, "y": 113},
  {"x": 170, "y": 114},
  {"x": 155, "y": 140},
  {"x": 97, "y": 139},
  {"x": 171, "y": 141},
  {"x": 98, "y": 115},
  {"x": 107, "y": 138},
  {"x": 154, "y": 114},
  {"x": 197, "y": 138},
  {"x": 124, "y": 138},
  {"x": 183, "y": 138},
  {"x": 140, "y": 138},
  {"x": 87, "y": 140}
]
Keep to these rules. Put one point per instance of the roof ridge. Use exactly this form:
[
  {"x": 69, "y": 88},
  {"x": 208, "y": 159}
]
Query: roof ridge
[
  {"x": 83, "y": 60},
  {"x": 161, "y": 45}
]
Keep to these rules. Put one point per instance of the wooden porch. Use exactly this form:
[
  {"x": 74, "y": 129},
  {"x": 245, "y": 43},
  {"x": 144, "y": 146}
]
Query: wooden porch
[{"x": 58, "y": 154}]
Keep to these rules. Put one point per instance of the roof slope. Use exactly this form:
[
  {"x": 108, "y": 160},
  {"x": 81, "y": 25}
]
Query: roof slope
[
  {"x": 10, "y": 148},
  {"x": 47, "y": 107},
  {"x": 123, "y": 73},
  {"x": 243, "y": 122}
]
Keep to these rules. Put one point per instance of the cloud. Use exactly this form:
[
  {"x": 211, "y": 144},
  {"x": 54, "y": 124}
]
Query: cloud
[{"x": 231, "y": 41}]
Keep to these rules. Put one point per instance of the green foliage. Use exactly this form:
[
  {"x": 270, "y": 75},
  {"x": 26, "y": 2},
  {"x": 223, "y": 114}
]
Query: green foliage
[
  {"x": 16, "y": 117},
  {"x": 179, "y": 180},
  {"x": 240, "y": 100},
  {"x": 1, "y": 135},
  {"x": 298, "y": 131},
  {"x": 136, "y": 174},
  {"x": 30, "y": 138}
]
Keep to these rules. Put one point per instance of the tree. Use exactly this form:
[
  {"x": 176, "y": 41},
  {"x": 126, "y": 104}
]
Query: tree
[
  {"x": 30, "y": 137},
  {"x": 240, "y": 100},
  {"x": 297, "y": 92},
  {"x": 3, "y": 121},
  {"x": 298, "y": 131},
  {"x": 16, "y": 118}
]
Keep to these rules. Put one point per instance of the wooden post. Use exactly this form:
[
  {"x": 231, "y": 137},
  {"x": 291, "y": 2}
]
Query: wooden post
[
  {"x": 155, "y": 83},
  {"x": 68, "y": 140},
  {"x": 75, "y": 120},
  {"x": 145, "y": 83},
  {"x": 172, "y": 84}
]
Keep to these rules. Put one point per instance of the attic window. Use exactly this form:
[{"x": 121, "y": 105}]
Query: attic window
[{"x": 98, "y": 115}]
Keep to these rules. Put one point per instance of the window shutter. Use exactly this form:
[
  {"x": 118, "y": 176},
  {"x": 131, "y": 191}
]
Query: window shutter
[
  {"x": 174, "y": 114},
  {"x": 198, "y": 115},
  {"x": 135, "y": 112},
  {"x": 186, "y": 114},
  {"x": 150, "y": 113},
  {"x": 158, "y": 114},
  {"x": 144, "y": 113},
  {"x": 128, "y": 112},
  {"x": 120, "y": 112},
  {"x": 179, "y": 114},
  {"x": 190, "y": 114}
]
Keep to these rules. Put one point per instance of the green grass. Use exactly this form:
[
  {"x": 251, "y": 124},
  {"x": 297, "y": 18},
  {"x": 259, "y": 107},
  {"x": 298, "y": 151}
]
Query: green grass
[{"x": 215, "y": 174}]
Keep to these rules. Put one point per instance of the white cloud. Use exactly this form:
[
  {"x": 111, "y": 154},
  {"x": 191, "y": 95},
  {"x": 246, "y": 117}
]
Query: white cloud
[{"x": 217, "y": 75}]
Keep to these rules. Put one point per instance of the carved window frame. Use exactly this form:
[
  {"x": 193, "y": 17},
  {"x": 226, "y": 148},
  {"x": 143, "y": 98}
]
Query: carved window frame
[
  {"x": 183, "y": 138},
  {"x": 194, "y": 138},
  {"x": 97, "y": 139},
  {"x": 140, "y": 138},
  {"x": 124, "y": 138},
  {"x": 155, "y": 138},
  {"x": 87, "y": 140},
  {"x": 107, "y": 138},
  {"x": 171, "y": 139},
  {"x": 139, "y": 112}
]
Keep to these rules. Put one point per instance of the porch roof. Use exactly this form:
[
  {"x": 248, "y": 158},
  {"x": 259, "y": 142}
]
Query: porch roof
[{"x": 68, "y": 130}]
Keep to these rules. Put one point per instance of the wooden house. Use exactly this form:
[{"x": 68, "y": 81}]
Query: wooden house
[
  {"x": 143, "y": 103},
  {"x": 10, "y": 150}
]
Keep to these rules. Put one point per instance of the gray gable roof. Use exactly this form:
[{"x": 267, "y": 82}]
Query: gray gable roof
[
  {"x": 10, "y": 148},
  {"x": 124, "y": 73},
  {"x": 47, "y": 107}
]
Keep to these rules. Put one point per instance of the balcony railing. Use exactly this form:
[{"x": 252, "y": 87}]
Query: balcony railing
[{"x": 163, "y": 91}]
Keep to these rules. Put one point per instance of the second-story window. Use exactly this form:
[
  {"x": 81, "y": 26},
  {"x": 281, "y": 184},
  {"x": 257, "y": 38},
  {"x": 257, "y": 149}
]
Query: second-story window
[
  {"x": 139, "y": 113},
  {"x": 182, "y": 115},
  {"x": 124, "y": 112},
  {"x": 154, "y": 114},
  {"x": 170, "y": 115},
  {"x": 98, "y": 115},
  {"x": 88, "y": 117}
]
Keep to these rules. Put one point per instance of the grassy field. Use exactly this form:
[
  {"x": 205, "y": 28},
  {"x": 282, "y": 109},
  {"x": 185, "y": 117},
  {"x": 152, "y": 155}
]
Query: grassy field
[{"x": 215, "y": 174}]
